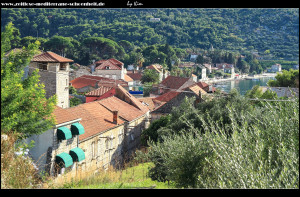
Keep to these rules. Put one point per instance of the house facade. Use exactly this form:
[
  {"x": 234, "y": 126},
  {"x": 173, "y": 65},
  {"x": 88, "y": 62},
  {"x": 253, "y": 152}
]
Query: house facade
[
  {"x": 91, "y": 136},
  {"x": 110, "y": 68},
  {"x": 53, "y": 148}
]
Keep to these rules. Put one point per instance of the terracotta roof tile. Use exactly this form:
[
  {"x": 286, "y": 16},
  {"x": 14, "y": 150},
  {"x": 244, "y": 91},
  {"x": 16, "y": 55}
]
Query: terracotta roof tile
[
  {"x": 167, "y": 96},
  {"x": 205, "y": 86},
  {"x": 148, "y": 101},
  {"x": 174, "y": 82},
  {"x": 89, "y": 80},
  {"x": 50, "y": 57},
  {"x": 125, "y": 110},
  {"x": 99, "y": 91},
  {"x": 127, "y": 78},
  {"x": 124, "y": 95},
  {"x": 62, "y": 115},
  {"x": 151, "y": 102},
  {"x": 156, "y": 67},
  {"x": 112, "y": 63},
  {"x": 95, "y": 118},
  {"x": 135, "y": 76},
  {"x": 195, "y": 88},
  {"x": 109, "y": 93}
]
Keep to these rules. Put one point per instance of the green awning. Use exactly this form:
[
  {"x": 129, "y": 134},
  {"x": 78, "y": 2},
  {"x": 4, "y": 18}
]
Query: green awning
[
  {"x": 77, "y": 129},
  {"x": 77, "y": 154},
  {"x": 63, "y": 133},
  {"x": 64, "y": 160}
]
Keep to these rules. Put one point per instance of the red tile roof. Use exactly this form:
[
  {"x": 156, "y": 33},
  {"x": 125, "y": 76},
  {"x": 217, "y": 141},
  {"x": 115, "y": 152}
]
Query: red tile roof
[
  {"x": 95, "y": 118},
  {"x": 196, "y": 88},
  {"x": 95, "y": 81},
  {"x": 205, "y": 86},
  {"x": 127, "y": 78},
  {"x": 167, "y": 96},
  {"x": 109, "y": 93},
  {"x": 124, "y": 95},
  {"x": 135, "y": 76},
  {"x": 50, "y": 57},
  {"x": 112, "y": 63},
  {"x": 62, "y": 115},
  {"x": 85, "y": 80},
  {"x": 125, "y": 110},
  {"x": 174, "y": 82},
  {"x": 155, "y": 67},
  {"x": 99, "y": 91}
]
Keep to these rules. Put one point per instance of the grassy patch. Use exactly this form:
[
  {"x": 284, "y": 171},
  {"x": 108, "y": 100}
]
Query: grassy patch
[{"x": 130, "y": 178}]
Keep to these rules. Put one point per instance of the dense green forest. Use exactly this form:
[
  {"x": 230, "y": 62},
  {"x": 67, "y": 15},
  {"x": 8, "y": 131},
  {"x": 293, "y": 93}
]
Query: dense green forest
[{"x": 267, "y": 31}]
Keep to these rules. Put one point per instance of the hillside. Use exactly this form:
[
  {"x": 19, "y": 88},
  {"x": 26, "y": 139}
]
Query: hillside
[{"x": 276, "y": 30}]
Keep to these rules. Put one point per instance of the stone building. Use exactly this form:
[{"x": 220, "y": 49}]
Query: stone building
[
  {"x": 110, "y": 68},
  {"x": 89, "y": 136},
  {"x": 55, "y": 145},
  {"x": 54, "y": 72},
  {"x": 173, "y": 83}
]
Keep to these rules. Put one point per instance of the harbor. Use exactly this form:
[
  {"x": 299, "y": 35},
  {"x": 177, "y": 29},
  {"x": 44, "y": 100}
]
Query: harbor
[{"x": 243, "y": 83}]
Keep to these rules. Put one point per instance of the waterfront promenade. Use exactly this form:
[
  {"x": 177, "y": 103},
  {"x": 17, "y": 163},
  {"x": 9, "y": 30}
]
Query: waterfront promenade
[{"x": 241, "y": 77}]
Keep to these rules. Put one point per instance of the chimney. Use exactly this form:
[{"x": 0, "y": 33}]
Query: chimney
[{"x": 115, "y": 116}]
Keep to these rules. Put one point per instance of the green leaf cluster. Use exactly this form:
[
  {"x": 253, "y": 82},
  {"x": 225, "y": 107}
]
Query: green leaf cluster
[
  {"x": 24, "y": 107},
  {"x": 241, "y": 145}
]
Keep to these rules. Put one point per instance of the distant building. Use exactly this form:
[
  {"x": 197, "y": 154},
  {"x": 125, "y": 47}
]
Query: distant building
[
  {"x": 296, "y": 67},
  {"x": 173, "y": 83},
  {"x": 208, "y": 66},
  {"x": 275, "y": 68},
  {"x": 158, "y": 69},
  {"x": 110, "y": 68},
  {"x": 154, "y": 19},
  {"x": 193, "y": 57}
]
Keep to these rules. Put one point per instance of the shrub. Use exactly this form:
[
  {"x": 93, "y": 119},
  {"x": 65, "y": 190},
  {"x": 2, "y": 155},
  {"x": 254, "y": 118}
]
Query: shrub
[
  {"x": 260, "y": 154},
  {"x": 17, "y": 171}
]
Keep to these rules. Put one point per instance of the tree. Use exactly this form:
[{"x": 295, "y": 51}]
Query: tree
[
  {"x": 75, "y": 101},
  {"x": 24, "y": 107},
  {"x": 150, "y": 75},
  {"x": 59, "y": 44},
  {"x": 200, "y": 59},
  {"x": 285, "y": 79}
]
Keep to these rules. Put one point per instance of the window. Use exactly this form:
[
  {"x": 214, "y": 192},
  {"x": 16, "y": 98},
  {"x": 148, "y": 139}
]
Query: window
[
  {"x": 42, "y": 66},
  {"x": 99, "y": 147},
  {"x": 120, "y": 136},
  {"x": 63, "y": 66},
  {"x": 107, "y": 143},
  {"x": 93, "y": 150},
  {"x": 107, "y": 67},
  {"x": 111, "y": 145}
]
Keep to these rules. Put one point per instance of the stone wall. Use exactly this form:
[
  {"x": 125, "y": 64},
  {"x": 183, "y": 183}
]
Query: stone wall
[
  {"x": 109, "y": 73},
  {"x": 62, "y": 89},
  {"x": 55, "y": 81},
  {"x": 102, "y": 150},
  {"x": 62, "y": 146}
]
